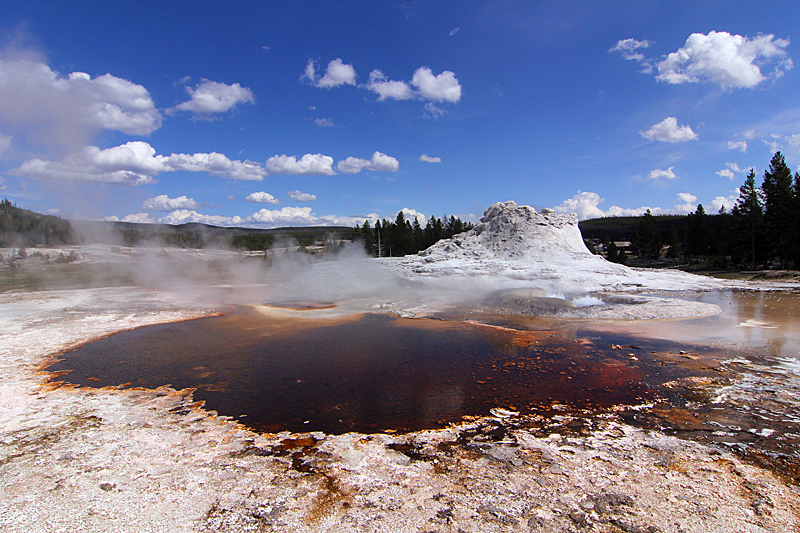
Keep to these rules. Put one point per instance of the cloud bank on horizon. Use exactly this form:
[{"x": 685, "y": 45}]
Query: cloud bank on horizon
[{"x": 212, "y": 125}]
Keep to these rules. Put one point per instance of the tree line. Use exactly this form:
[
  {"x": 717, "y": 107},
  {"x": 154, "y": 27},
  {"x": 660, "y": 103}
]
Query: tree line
[
  {"x": 762, "y": 230},
  {"x": 403, "y": 237},
  {"x": 21, "y": 227}
]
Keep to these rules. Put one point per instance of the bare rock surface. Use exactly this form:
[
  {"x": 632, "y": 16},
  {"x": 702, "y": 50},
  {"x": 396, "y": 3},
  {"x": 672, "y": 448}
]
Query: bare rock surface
[{"x": 120, "y": 460}]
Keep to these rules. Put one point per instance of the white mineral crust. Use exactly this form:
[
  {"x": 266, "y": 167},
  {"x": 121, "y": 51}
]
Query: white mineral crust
[
  {"x": 122, "y": 460},
  {"x": 515, "y": 246}
]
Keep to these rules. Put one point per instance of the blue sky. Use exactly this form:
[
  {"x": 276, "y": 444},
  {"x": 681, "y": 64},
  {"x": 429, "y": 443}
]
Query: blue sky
[{"x": 270, "y": 114}]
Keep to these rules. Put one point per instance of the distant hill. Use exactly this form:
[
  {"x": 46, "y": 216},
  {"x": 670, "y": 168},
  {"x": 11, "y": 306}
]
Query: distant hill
[
  {"x": 21, "y": 228},
  {"x": 196, "y": 235},
  {"x": 624, "y": 228},
  {"x": 24, "y": 228}
]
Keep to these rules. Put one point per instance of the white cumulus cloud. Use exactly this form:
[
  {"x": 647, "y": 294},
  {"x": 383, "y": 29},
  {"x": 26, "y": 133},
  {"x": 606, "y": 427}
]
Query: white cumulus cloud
[
  {"x": 323, "y": 122},
  {"x": 300, "y": 196},
  {"x": 443, "y": 87},
  {"x": 347, "y": 220},
  {"x": 309, "y": 165},
  {"x": 429, "y": 159},
  {"x": 628, "y": 48},
  {"x": 732, "y": 170},
  {"x": 433, "y": 111},
  {"x": 380, "y": 163},
  {"x": 411, "y": 214},
  {"x": 585, "y": 205},
  {"x": 668, "y": 131},
  {"x": 164, "y": 203},
  {"x": 738, "y": 145},
  {"x": 67, "y": 111},
  {"x": 183, "y": 216},
  {"x": 726, "y": 173},
  {"x": 385, "y": 88},
  {"x": 218, "y": 165},
  {"x": 725, "y": 201},
  {"x": 261, "y": 198},
  {"x": 210, "y": 98},
  {"x": 137, "y": 218},
  {"x": 337, "y": 74},
  {"x": 659, "y": 173},
  {"x": 287, "y": 215},
  {"x": 134, "y": 163},
  {"x": 726, "y": 60},
  {"x": 774, "y": 144},
  {"x": 688, "y": 205}
]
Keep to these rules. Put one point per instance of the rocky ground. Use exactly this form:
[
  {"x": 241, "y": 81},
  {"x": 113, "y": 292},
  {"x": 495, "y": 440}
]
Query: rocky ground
[
  {"x": 134, "y": 460},
  {"x": 120, "y": 459}
]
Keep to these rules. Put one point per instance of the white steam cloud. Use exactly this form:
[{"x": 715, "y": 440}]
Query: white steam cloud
[{"x": 67, "y": 111}]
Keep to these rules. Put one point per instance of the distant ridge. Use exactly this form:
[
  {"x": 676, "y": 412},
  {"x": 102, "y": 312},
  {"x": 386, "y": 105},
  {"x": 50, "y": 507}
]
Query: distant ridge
[
  {"x": 25, "y": 228},
  {"x": 22, "y": 227}
]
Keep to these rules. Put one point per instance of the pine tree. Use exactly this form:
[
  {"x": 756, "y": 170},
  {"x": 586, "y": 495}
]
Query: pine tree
[
  {"x": 409, "y": 245},
  {"x": 749, "y": 215},
  {"x": 417, "y": 229},
  {"x": 368, "y": 238},
  {"x": 428, "y": 235},
  {"x": 720, "y": 243},
  {"x": 648, "y": 238},
  {"x": 396, "y": 237},
  {"x": 612, "y": 254},
  {"x": 697, "y": 232},
  {"x": 777, "y": 189},
  {"x": 674, "y": 242},
  {"x": 794, "y": 222},
  {"x": 380, "y": 237}
]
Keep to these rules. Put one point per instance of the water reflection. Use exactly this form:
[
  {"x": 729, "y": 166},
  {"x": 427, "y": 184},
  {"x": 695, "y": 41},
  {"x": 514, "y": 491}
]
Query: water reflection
[
  {"x": 761, "y": 323},
  {"x": 364, "y": 373}
]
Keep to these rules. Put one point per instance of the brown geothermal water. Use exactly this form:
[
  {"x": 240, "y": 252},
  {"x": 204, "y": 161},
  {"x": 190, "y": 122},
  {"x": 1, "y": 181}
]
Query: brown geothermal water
[
  {"x": 369, "y": 372},
  {"x": 732, "y": 379}
]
